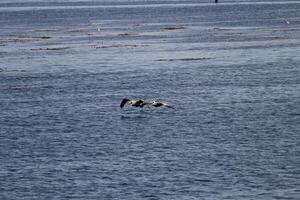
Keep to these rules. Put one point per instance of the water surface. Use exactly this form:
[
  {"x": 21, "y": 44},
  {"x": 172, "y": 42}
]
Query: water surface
[{"x": 231, "y": 70}]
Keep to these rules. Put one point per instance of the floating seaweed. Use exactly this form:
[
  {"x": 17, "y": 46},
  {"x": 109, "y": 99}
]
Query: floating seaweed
[
  {"x": 20, "y": 40},
  {"x": 184, "y": 59},
  {"x": 17, "y": 88},
  {"x": 23, "y": 39},
  {"x": 51, "y": 49},
  {"x": 126, "y": 34},
  {"x": 173, "y": 28},
  {"x": 114, "y": 46},
  {"x": 41, "y": 37}
]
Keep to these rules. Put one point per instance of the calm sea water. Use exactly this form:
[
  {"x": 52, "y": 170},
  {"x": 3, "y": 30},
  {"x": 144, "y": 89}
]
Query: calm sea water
[{"x": 232, "y": 71}]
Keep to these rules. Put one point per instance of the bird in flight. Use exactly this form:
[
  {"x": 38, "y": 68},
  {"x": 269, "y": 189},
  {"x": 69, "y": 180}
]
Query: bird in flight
[
  {"x": 141, "y": 103},
  {"x": 160, "y": 104}
]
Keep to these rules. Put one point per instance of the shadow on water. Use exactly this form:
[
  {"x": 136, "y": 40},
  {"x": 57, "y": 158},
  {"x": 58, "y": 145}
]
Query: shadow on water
[
  {"x": 138, "y": 114},
  {"x": 133, "y": 116}
]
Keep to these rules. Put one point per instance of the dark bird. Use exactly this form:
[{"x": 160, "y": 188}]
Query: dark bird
[
  {"x": 160, "y": 104},
  {"x": 141, "y": 103},
  {"x": 135, "y": 103}
]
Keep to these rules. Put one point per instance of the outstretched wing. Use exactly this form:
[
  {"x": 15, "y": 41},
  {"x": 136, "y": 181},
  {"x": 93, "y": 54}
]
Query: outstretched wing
[
  {"x": 168, "y": 106},
  {"x": 124, "y": 101},
  {"x": 160, "y": 104},
  {"x": 157, "y": 104}
]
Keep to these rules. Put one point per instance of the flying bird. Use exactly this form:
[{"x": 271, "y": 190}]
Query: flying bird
[
  {"x": 134, "y": 103},
  {"x": 141, "y": 103},
  {"x": 160, "y": 104}
]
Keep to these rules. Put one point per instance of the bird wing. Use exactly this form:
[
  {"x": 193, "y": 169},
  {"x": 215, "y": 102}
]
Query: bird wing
[
  {"x": 168, "y": 106},
  {"x": 123, "y": 103}
]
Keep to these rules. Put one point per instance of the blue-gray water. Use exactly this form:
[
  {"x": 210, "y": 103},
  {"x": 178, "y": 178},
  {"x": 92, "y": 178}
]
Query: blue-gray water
[{"x": 232, "y": 71}]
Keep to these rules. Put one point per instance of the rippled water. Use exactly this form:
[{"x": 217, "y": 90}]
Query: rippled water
[{"x": 231, "y": 70}]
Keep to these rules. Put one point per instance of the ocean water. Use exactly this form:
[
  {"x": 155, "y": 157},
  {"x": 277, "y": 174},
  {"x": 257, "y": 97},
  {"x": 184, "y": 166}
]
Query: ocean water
[{"x": 231, "y": 69}]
